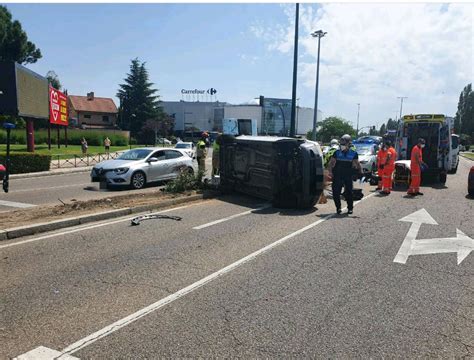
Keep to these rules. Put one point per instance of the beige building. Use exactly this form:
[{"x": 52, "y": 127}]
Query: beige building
[{"x": 92, "y": 112}]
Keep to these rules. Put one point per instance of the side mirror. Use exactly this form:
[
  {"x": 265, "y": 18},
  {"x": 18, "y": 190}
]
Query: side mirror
[{"x": 152, "y": 159}]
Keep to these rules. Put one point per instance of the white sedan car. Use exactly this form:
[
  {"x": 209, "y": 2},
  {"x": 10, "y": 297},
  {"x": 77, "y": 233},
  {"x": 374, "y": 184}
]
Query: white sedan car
[
  {"x": 137, "y": 167},
  {"x": 188, "y": 147},
  {"x": 367, "y": 157}
]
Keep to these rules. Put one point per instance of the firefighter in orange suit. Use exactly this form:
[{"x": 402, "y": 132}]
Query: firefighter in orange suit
[
  {"x": 416, "y": 165},
  {"x": 389, "y": 167},
  {"x": 381, "y": 160}
]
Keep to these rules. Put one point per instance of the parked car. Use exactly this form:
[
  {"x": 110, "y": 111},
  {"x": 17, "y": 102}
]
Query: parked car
[
  {"x": 470, "y": 182},
  {"x": 367, "y": 156},
  {"x": 187, "y": 147},
  {"x": 137, "y": 167},
  {"x": 163, "y": 141}
]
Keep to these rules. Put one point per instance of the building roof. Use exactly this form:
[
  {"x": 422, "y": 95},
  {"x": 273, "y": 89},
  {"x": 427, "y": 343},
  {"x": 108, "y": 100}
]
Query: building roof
[{"x": 98, "y": 104}]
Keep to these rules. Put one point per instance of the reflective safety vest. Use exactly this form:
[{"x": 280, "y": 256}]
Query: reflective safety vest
[
  {"x": 382, "y": 157},
  {"x": 393, "y": 157},
  {"x": 201, "y": 148},
  {"x": 416, "y": 150}
]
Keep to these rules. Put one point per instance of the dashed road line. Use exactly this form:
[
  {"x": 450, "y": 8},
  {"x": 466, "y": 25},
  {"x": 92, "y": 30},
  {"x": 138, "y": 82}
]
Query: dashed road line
[
  {"x": 16, "y": 204},
  {"x": 266, "y": 206}
]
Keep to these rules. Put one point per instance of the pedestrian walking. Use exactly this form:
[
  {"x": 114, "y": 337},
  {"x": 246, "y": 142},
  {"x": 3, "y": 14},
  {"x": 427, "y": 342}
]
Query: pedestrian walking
[
  {"x": 341, "y": 170},
  {"x": 416, "y": 164},
  {"x": 216, "y": 156},
  {"x": 107, "y": 143},
  {"x": 389, "y": 167},
  {"x": 84, "y": 146},
  {"x": 201, "y": 153}
]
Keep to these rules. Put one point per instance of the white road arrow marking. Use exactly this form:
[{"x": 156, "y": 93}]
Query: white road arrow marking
[{"x": 461, "y": 244}]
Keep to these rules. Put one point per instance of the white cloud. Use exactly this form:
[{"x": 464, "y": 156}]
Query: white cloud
[{"x": 376, "y": 52}]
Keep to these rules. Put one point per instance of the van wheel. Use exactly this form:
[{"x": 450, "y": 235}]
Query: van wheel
[{"x": 138, "y": 180}]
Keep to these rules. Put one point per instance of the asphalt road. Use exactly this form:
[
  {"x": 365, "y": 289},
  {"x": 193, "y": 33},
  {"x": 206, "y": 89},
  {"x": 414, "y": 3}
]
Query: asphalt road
[
  {"x": 51, "y": 190},
  {"x": 262, "y": 283}
]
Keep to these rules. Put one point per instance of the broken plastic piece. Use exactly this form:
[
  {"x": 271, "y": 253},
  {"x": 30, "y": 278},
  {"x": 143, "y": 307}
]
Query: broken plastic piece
[{"x": 136, "y": 221}]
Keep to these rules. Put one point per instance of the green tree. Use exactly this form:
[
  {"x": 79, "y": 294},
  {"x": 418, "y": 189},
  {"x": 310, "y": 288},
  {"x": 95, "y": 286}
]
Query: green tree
[
  {"x": 383, "y": 130},
  {"x": 464, "y": 119},
  {"x": 392, "y": 124},
  {"x": 14, "y": 44},
  {"x": 138, "y": 100},
  {"x": 332, "y": 127},
  {"x": 53, "y": 79}
]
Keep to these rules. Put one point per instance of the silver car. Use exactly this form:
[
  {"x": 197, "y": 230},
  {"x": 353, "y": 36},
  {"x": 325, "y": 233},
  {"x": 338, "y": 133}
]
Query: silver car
[
  {"x": 367, "y": 157},
  {"x": 140, "y": 166},
  {"x": 188, "y": 147}
]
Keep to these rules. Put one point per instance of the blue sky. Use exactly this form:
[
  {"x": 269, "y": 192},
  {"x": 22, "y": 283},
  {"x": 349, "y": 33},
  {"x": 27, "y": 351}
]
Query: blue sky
[{"x": 372, "y": 53}]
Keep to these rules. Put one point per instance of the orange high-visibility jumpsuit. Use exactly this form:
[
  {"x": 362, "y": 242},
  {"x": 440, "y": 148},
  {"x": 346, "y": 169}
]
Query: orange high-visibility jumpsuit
[
  {"x": 381, "y": 160},
  {"x": 415, "y": 170},
  {"x": 388, "y": 170}
]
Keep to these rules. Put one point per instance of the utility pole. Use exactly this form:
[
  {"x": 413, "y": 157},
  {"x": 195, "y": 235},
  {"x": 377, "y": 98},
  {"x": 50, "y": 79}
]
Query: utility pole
[
  {"x": 319, "y": 34},
  {"x": 401, "y": 104},
  {"x": 358, "y": 111},
  {"x": 295, "y": 67}
]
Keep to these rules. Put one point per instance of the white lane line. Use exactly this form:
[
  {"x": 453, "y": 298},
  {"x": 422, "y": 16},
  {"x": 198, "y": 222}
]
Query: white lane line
[
  {"x": 49, "y": 188},
  {"x": 15, "y": 204},
  {"x": 188, "y": 289},
  {"x": 231, "y": 217},
  {"x": 87, "y": 227}
]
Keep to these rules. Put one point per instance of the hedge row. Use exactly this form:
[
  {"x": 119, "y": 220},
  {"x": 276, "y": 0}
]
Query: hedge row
[
  {"x": 94, "y": 138},
  {"x": 26, "y": 162}
]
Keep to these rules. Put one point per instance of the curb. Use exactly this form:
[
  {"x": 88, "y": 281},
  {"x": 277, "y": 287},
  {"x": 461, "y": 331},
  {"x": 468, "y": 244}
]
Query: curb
[
  {"x": 51, "y": 173},
  {"x": 13, "y": 233}
]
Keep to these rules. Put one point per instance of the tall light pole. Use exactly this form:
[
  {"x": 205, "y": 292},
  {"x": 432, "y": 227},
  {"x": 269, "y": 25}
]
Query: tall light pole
[
  {"x": 401, "y": 103},
  {"x": 358, "y": 111},
  {"x": 295, "y": 66},
  {"x": 319, "y": 34}
]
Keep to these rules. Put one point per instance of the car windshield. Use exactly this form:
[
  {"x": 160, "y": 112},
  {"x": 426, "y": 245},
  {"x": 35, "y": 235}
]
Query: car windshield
[
  {"x": 135, "y": 154},
  {"x": 364, "y": 150},
  {"x": 183, "y": 146}
]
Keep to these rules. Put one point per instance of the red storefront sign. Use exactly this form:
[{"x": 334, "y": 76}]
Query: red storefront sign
[{"x": 57, "y": 107}]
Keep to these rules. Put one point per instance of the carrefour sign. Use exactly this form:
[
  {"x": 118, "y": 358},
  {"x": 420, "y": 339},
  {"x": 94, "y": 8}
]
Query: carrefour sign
[{"x": 210, "y": 91}]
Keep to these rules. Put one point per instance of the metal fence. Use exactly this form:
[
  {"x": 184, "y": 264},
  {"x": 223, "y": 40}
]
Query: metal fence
[{"x": 58, "y": 161}]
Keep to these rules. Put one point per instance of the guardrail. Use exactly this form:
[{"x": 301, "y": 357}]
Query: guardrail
[{"x": 58, "y": 161}]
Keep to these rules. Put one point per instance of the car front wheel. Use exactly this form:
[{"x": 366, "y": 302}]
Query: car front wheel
[{"x": 138, "y": 180}]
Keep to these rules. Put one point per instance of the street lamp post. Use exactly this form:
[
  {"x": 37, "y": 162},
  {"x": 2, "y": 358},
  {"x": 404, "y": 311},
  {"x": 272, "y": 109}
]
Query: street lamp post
[
  {"x": 401, "y": 104},
  {"x": 319, "y": 34}
]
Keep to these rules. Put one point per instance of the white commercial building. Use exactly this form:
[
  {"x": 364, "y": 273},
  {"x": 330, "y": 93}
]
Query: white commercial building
[{"x": 273, "y": 116}]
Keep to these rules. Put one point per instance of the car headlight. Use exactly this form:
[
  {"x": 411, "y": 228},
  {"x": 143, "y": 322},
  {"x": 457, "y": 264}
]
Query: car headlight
[{"x": 120, "y": 171}]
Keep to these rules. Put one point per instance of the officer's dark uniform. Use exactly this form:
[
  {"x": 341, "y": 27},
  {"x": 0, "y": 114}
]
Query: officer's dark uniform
[{"x": 342, "y": 177}]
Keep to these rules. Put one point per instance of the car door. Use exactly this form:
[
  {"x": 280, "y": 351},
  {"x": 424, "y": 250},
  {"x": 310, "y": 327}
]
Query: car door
[
  {"x": 156, "y": 169},
  {"x": 175, "y": 161}
]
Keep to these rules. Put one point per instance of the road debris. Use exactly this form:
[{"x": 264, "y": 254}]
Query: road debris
[{"x": 136, "y": 221}]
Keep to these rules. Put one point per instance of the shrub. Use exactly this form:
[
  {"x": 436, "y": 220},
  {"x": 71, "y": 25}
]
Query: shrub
[
  {"x": 25, "y": 162},
  {"x": 185, "y": 181},
  {"x": 93, "y": 137}
]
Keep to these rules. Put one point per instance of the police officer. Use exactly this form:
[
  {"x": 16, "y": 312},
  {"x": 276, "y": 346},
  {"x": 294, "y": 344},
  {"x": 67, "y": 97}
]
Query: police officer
[{"x": 341, "y": 169}]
